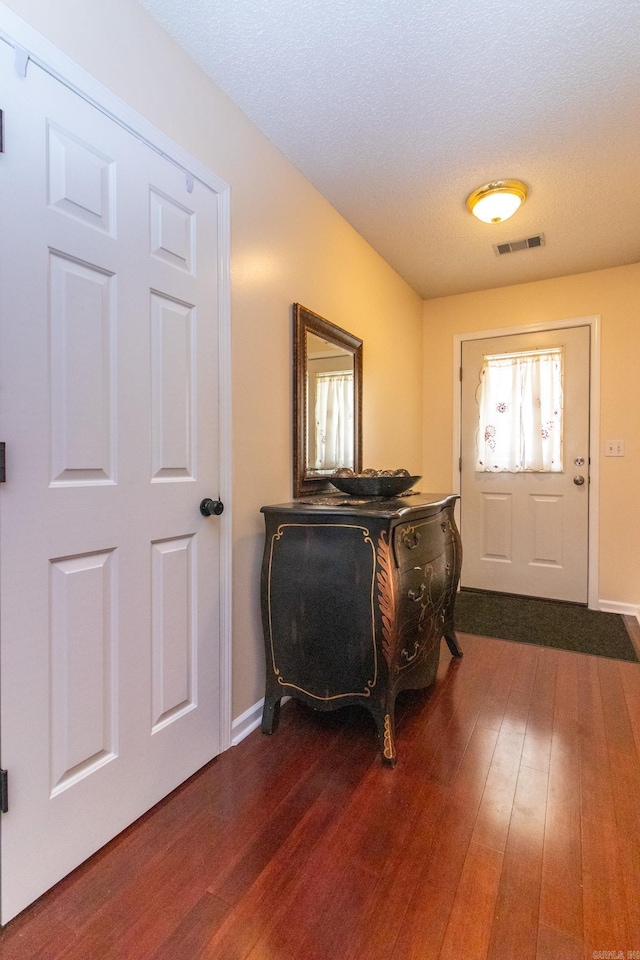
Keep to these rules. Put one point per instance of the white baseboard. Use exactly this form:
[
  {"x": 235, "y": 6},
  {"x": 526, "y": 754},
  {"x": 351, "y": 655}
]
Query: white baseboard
[
  {"x": 624, "y": 609},
  {"x": 246, "y": 723},
  {"x": 249, "y": 721}
]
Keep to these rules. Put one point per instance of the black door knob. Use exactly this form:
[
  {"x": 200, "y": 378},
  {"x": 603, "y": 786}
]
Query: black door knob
[{"x": 210, "y": 508}]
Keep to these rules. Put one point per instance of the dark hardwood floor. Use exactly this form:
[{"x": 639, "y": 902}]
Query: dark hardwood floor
[{"x": 510, "y": 828}]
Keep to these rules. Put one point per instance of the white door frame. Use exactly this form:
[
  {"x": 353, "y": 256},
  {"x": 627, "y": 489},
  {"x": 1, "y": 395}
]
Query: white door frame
[
  {"x": 29, "y": 43},
  {"x": 593, "y": 599}
]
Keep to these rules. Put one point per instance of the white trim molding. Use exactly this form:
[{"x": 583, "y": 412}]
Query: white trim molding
[
  {"x": 37, "y": 49},
  {"x": 249, "y": 721},
  {"x": 246, "y": 723},
  {"x": 593, "y": 323},
  {"x": 624, "y": 609}
]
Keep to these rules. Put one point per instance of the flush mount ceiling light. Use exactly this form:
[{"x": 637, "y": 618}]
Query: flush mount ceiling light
[{"x": 497, "y": 201}]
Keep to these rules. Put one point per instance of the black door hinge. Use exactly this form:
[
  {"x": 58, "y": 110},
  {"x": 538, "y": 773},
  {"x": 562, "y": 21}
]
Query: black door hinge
[
  {"x": 3, "y": 472},
  {"x": 4, "y": 791}
]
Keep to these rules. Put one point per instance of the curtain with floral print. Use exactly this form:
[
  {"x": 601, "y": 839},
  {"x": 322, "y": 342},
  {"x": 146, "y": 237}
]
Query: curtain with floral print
[
  {"x": 334, "y": 420},
  {"x": 520, "y": 401}
]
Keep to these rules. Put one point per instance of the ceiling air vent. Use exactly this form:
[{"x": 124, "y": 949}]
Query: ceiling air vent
[{"x": 515, "y": 245}]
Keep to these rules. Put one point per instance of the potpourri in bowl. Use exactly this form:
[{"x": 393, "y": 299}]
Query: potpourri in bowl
[{"x": 373, "y": 483}]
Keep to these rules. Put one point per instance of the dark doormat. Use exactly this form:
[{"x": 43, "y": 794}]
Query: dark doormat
[{"x": 549, "y": 623}]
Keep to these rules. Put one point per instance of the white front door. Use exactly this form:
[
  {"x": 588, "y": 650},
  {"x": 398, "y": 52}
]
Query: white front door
[
  {"x": 109, "y": 582},
  {"x": 527, "y": 533}
]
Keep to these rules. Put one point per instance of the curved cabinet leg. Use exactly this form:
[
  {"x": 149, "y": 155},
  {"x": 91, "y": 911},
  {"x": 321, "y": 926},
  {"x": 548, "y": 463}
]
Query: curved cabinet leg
[
  {"x": 270, "y": 714},
  {"x": 385, "y": 722},
  {"x": 452, "y": 643}
]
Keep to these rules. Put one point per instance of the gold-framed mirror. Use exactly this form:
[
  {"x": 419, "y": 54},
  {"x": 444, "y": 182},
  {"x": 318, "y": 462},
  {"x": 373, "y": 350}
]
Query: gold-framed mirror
[{"x": 327, "y": 402}]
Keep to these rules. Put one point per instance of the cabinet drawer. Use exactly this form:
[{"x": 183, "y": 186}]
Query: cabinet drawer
[
  {"x": 424, "y": 598},
  {"x": 422, "y": 540}
]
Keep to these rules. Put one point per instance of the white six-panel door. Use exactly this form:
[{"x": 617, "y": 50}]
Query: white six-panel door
[
  {"x": 109, "y": 573},
  {"x": 527, "y": 533}
]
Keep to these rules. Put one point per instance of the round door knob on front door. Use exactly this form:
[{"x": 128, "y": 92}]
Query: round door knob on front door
[
  {"x": 578, "y": 480},
  {"x": 211, "y": 508}
]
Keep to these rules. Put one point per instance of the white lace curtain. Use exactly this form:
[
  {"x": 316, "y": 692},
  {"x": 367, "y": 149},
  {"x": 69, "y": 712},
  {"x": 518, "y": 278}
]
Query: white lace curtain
[
  {"x": 334, "y": 420},
  {"x": 520, "y": 399}
]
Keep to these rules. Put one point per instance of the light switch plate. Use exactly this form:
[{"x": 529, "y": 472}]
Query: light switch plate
[{"x": 614, "y": 448}]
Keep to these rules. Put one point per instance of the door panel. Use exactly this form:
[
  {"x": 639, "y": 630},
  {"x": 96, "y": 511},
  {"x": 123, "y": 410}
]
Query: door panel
[
  {"x": 81, "y": 335},
  {"x": 109, "y": 633},
  {"x": 527, "y": 533},
  {"x": 496, "y": 526},
  {"x": 547, "y": 522},
  {"x": 82, "y": 649},
  {"x": 173, "y": 646},
  {"x": 173, "y": 379}
]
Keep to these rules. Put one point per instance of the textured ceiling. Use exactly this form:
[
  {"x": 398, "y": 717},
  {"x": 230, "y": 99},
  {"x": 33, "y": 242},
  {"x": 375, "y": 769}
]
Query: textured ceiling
[{"x": 397, "y": 109}]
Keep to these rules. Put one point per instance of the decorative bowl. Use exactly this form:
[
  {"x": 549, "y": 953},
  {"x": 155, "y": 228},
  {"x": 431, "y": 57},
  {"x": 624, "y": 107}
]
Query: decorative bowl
[{"x": 374, "y": 486}]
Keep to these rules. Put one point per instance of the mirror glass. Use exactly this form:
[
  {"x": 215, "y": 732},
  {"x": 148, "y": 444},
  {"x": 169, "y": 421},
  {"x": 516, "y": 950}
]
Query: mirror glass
[
  {"x": 327, "y": 402},
  {"x": 329, "y": 419}
]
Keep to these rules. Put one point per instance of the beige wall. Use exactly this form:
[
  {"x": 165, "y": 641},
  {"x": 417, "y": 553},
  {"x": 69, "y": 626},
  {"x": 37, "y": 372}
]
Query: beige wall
[
  {"x": 615, "y": 296},
  {"x": 288, "y": 245}
]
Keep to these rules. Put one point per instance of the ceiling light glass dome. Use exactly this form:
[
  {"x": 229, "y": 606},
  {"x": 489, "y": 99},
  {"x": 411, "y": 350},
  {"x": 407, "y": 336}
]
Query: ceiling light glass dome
[{"x": 497, "y": 201}]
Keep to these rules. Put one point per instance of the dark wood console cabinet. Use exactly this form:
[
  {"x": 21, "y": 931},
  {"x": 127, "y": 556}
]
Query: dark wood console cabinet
[{"x": 356, "y": 596}]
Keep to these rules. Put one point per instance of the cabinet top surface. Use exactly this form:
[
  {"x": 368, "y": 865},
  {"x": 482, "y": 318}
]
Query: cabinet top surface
[{"x": 350, "y": 506}]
